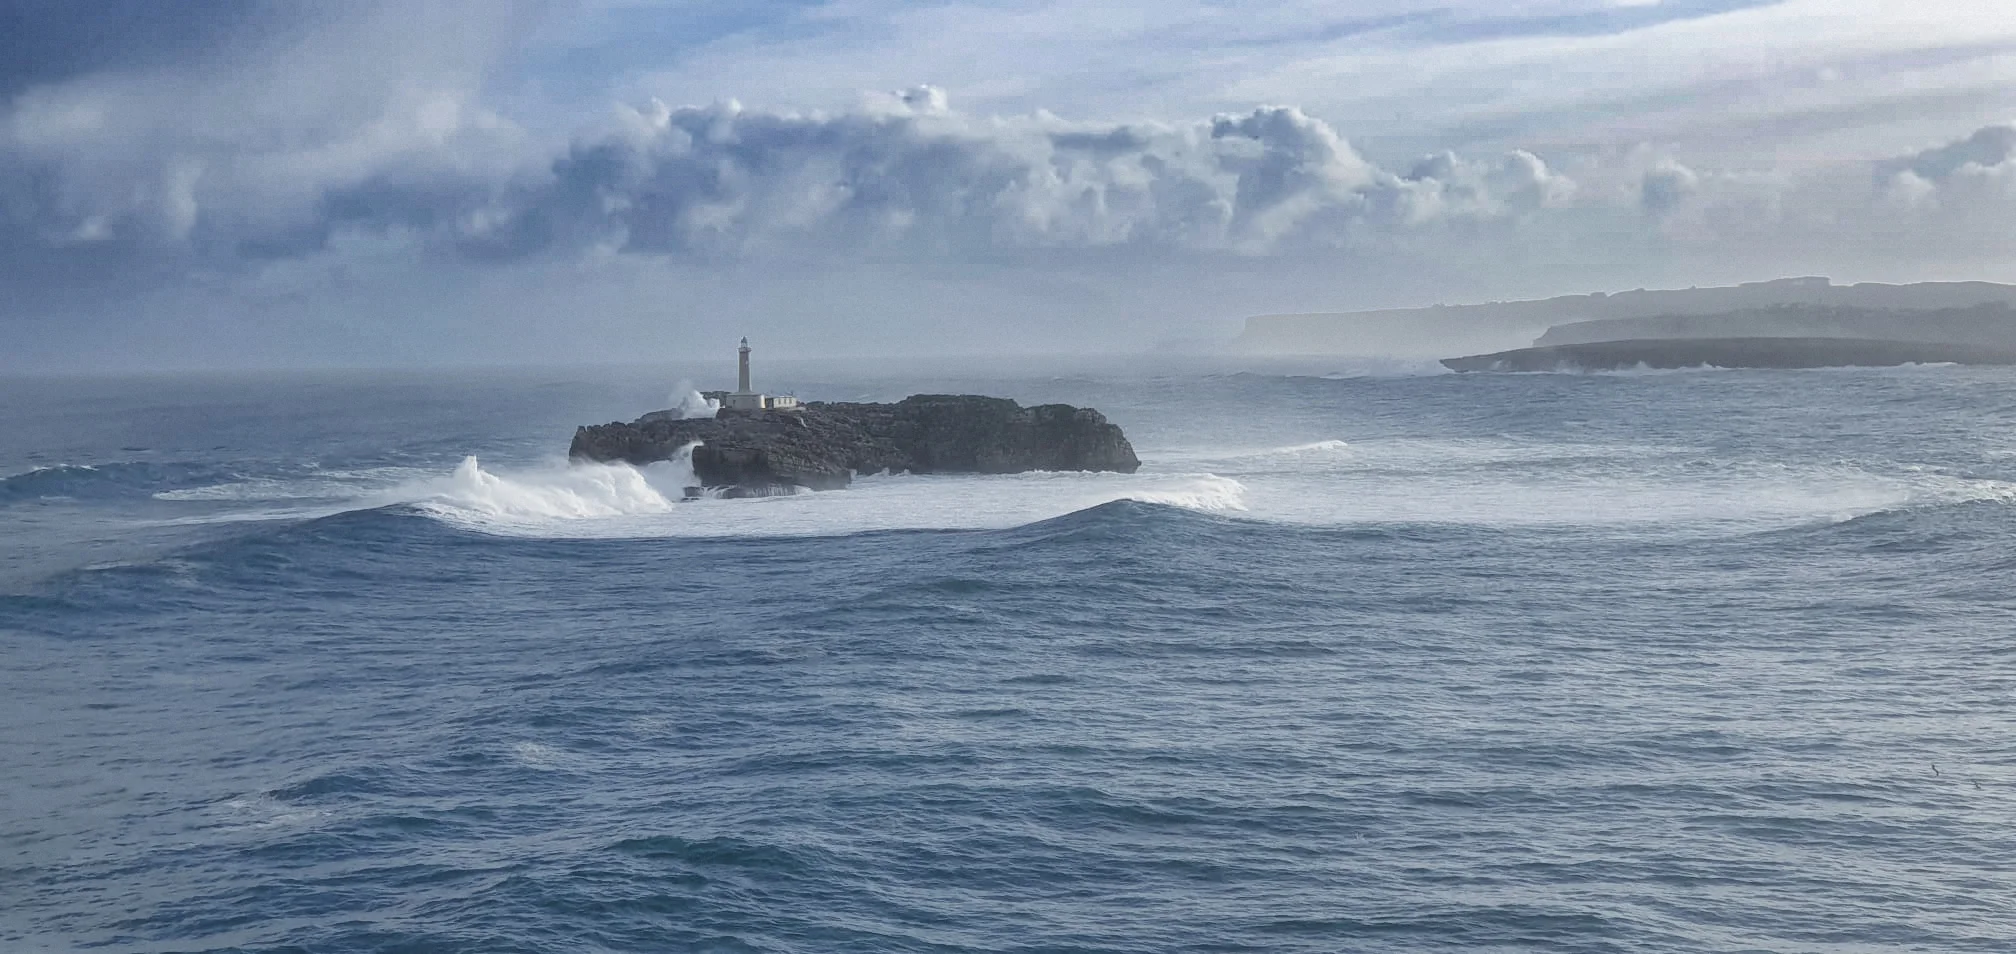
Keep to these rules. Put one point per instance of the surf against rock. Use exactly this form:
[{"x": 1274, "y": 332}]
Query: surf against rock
[
  {"x": 822, "y": 446},
  {"x": 751, "y": 444}
]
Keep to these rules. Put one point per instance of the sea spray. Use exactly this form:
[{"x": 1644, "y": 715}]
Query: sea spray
[
  {"x": 558, "y": 492},
  {"x": 690, "y": 403}
]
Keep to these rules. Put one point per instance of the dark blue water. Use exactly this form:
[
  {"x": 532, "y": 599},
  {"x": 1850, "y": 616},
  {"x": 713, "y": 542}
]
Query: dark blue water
[{"x": 1703, "y": 661}]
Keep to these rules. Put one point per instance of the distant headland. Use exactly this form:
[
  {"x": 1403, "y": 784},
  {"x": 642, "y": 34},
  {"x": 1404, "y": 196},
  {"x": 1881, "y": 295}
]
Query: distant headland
[
  {"x": 1979, "y": 313},
  {"x": 1753, "y": 352},
  {"x": 752, "y": 444},
  {"x": 1786, "y": 323}
]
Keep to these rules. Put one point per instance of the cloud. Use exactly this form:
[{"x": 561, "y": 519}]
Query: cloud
[
  {"x": 1988, "y": 152},
  {"x": 245, "y": 117},
  {"x": 1962, "y": 193},
  {"x": 905, "y": 175},
  {"x": 909, "y": 176},
  {"x": 258, "y": 131},
  {"x": 1718, "y": 81},
  {"x": 1615, "y": 17},
  {"x": 1116, "y": 159},
  {"x": 1445, "y": 186},
  {"x": 53, "y": 41},
  {"x": 1666, "y": 186},
  {"x": 101, "y": 163}
]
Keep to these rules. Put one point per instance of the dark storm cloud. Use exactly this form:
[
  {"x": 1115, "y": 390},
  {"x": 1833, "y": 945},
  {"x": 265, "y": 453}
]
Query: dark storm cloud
[
  {"x": 178, "y": 128},
  {"x": 50, "y": 41}
]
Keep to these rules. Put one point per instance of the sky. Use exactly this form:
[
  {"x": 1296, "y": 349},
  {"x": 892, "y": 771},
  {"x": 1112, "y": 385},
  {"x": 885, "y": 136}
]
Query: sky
[{"x": 256, "y": 183}]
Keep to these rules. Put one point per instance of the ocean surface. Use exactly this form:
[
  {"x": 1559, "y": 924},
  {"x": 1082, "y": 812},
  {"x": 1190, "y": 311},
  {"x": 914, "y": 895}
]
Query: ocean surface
[{"x": 1365, "y": 659}]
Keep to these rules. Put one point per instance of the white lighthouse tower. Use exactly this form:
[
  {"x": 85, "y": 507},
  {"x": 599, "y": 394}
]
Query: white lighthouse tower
[{"x": 747, "y": 398}]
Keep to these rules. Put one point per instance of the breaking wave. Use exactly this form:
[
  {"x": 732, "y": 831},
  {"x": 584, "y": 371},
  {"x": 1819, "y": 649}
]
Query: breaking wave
[
  {"x": 690, "y": 403},
  {"x": 559, "y": 492},
  {"x": 1481, "y": 482},
  {"x": 618, "y": 500},
  {"x": 1208, "y": 492}
]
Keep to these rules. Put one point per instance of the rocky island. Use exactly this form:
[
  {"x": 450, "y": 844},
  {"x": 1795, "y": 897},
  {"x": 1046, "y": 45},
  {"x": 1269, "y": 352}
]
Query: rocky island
[
  {"x": 761, "y": 450},
  {"x": 749, "y": 444}
]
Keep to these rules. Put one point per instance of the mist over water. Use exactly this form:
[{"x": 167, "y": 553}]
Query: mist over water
[{"x": 1386, "y": 661}]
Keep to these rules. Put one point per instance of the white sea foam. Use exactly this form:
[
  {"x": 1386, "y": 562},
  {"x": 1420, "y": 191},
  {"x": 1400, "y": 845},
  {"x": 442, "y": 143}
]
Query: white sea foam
[
  {"x": 1329, "y": 448},
  {"x": 555, "y": 492},
  {"x": 264, "y": 514},
  {"x": 271, "y": 489},
  {"x": 260, "y": 810},
  {"x": 1481, "y": 482},
  {"x": 1313, "y": 447},
  {"x": 1509, "y": 482},
  {"x": 1515, "y": 483},
  {"x": 616, "y": 500},
  {"x": 1674, "y": 495},
  {"x": 1498, "y": 482},
  {"x": 1208, "y": 492},
  {"x": 539, "y": 755},
  {"x": 1233, "y": 457}
]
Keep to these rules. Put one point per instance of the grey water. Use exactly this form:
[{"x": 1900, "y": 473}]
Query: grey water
[{"x": 1365, "y": 659}]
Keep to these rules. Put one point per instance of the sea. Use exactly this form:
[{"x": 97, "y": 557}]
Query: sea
[{"x": 1366, "y": 658}]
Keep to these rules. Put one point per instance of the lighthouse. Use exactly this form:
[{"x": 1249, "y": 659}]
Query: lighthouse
[{"x": 745, "y": 397}]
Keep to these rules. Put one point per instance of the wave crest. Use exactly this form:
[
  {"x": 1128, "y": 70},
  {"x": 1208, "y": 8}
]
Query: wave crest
[
  {"x": 1208, "y": 492},
  {"x": 619, "y": 500},
  {"x": 571, "y": 491}
]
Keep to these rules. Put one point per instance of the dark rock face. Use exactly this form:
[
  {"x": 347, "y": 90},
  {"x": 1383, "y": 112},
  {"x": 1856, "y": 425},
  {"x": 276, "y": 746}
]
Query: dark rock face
[
  {"x": 823, "y": 446},
  {"x": 1731, "y": 353}
]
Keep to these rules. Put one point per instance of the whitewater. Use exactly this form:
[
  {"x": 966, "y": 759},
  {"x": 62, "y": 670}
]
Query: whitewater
[
  {"x": 1320, "y": 483},
  {"x": 1365, "y": 657}
]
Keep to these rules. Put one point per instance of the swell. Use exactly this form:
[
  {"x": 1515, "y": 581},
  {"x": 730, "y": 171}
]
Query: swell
[
  {"x": 113, "y": 480},
  {"x": 1381, "y": 486},
  {"x": 403, "y": 552},
  {"x": 1920, "y": 525}
]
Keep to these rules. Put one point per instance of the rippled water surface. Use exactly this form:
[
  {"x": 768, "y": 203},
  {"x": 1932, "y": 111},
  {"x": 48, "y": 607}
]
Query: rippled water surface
[{"x": 1702, "y": 661}]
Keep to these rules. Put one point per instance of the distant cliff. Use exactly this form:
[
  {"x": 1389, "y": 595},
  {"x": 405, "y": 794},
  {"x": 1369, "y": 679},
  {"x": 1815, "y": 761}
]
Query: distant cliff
[
  {"x": 1988, "y": 325},
  {"x": 1495, "y": 325},
  {"x": 1731, "y": 353},
  {"x": 823, "y": 446}
]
